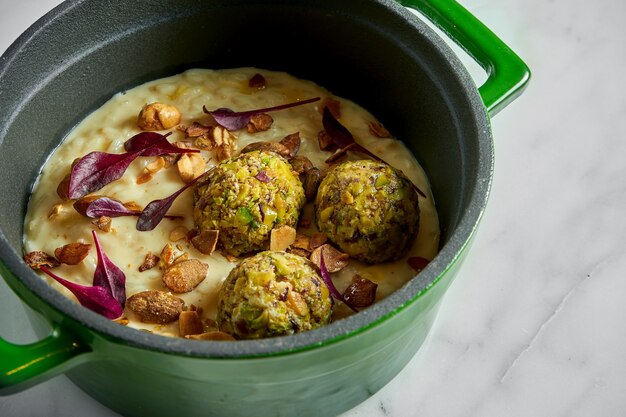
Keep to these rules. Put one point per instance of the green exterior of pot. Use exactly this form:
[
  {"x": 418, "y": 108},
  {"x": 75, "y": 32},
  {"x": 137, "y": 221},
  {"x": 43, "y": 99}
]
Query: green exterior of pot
[{"x": 321, "y": 373}]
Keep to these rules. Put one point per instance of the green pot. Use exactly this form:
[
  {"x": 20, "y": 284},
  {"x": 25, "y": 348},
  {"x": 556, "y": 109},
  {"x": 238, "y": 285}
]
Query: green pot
[{"x": 372, "y": 51}]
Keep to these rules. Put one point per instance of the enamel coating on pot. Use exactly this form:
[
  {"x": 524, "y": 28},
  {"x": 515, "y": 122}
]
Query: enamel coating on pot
[{"x": 424, "y": 95}]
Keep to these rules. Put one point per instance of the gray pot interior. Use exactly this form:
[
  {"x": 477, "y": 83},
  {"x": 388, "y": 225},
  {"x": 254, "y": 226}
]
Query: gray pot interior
[{"x": 373, "y": 52}]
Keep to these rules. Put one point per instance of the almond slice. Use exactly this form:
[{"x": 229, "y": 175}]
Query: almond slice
[
  {"x": 158, "y": 307},
  {"x": 184, "y": 276},
  {"x": 334, "y": 260},
  {"x": 282, "y": 237}
]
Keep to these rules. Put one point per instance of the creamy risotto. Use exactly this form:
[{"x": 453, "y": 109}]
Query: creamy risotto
[{"x": 52, "y": 222}]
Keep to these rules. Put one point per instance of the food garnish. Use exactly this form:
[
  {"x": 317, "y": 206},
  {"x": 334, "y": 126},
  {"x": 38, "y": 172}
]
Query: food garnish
[
  {"x": 107, "y": 275},
  {"x": 233, "y": 120},
  {"x": 97, "y": 169},
  {"x": 361, "y": 292},
  {"x": 72, "y": 253},
  {"x": 96, "y": 299},
  {"x": 329, "y": 283},
  {"x": 156, "y": 210},
  {"x": 418, "y": 263},
  {"x": 157, "y": 307}
]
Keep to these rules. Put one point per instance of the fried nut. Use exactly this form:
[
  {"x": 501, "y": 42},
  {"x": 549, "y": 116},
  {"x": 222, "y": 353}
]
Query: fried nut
[
  {"x": 282, "y": 237},
  {"x": 103, "y": 223},
  {"x": 72, "y": 253},
  {"x": 361, "y": 292},
  {"x": 190, "y": 166},
  {"x": 311, "y": 183},
  {"x": 156, "y": 165},
  {"x": 317, "y": 240},
  {"x": 301, "y": 241},
  {"x": 206, "y": 241},
  {"x": 292, "y": 142},
  {"x": 325, "y": 141},
  {"x": 150, "y": 261},
  {"x": 83, "y": 203},
  {"x": 259, "y": 123},
  {"x": 37, "y": 259},
  {"x": 184, "y": 276},
  {"x": 300, "y": 164},
  {"x": 257, "y": 81},
  {"x": 158, "y": 116},
  {"x": 189, "y": 323},
  {"x": 157, "y": 307},
  {"x": 334, "y": 260},
  {"x": 178, "y": 233}
]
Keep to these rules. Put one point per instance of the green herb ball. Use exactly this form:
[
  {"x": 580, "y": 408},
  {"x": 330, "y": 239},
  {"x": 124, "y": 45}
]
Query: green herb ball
[
  {"x": 369, "y": 210},
  {"x": 273, "y": 294},
  {"x": 245, "y": 198}
]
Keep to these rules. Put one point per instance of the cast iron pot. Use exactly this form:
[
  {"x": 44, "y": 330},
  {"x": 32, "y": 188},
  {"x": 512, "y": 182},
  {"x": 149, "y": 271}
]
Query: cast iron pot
[{"x": 372, "y": 51}]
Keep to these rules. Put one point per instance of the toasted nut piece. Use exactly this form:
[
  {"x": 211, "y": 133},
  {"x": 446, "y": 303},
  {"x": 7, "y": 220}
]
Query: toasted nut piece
[
  {"x": 317, "y": 240},
  {"x": 300, "y": 164},
  {"x": 103, "y": 223},
  {"x": 334, "y": 260},
  {"x": 206, "y": 241},
  {"x": 311, "y": 183},
  {"x": 257, "y": 81},
  {"x": 214, "y": 335},
  {"x": 185, "y": 275},
  {"x": 259, "y": 123},
  {"x": 292, "y": 142},
  {"x": 300, "y": 252},
  {"x": 37, "y": 259},
  {"x": 347, "y": 198},
  {"x": 197, "y": 130},
  {"x": 144, "y": 177},
  {"x": 72, "y": 253},
  {"x": 63, "y": 189},
  {"x": 361, "y": 292},
  {"x": 302, "y": 241},
  {"x": 224, "y": 143},
  {"x": 149, "y": 262},
  {"x": 158, "y": 307},
  {"x": 282, "y": 237},
  {"x": 178, "y": 233},
  {"x": 132, "y": 206},
  {"x": 325, "y": 141},
  {"x": 83, "y": 203},
  {"x": 418, "y": 263},
  {"x": 333, "y": 105},
  {"x": 190, "y": 166},
  {"x": 158, "y": 116},
  {"x": 276, "y": 147},
  {"x": 189, "y": 323},
  {"x": 168, "y": 256},
  {"x": 156, "y": 165}
]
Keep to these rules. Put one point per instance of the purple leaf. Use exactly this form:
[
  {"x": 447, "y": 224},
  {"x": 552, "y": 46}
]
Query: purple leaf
[
  {"x": 340, "y": 135},
  {"x": 156, "y": 210},
  {"x": 96, "y": 299},
  {"x": 106, "y": 206},
  {"x": 233, "y": 120},
  {"x": 108, "y": 276},
  {"x": 153, "y": 144},
  {"x": 329, "y": 283},
  {"x": 97, "y": 169}
]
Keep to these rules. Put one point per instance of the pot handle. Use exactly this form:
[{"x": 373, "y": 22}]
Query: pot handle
[
  {"x": 22, "y": 366},
  {"x": 507, "y": 74}
]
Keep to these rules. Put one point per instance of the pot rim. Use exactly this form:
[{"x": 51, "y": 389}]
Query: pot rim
[{"x": 334, "y": 332}]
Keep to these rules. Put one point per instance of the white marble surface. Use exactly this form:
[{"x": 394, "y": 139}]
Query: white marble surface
[{"x": 534, "y": 323}]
